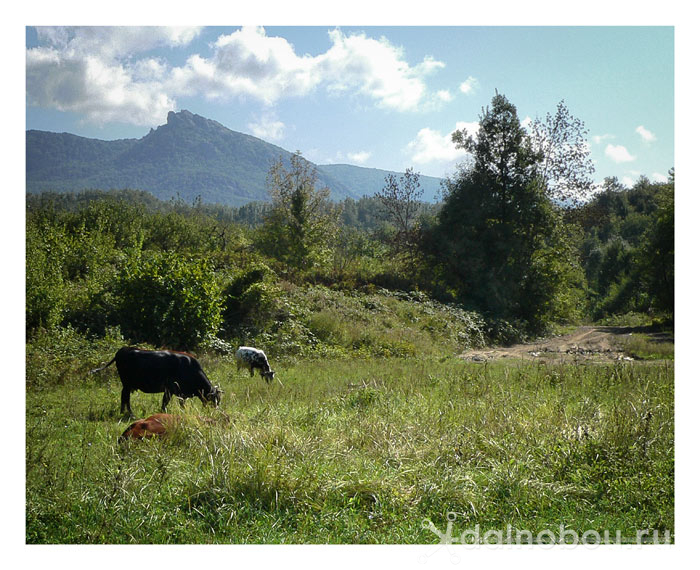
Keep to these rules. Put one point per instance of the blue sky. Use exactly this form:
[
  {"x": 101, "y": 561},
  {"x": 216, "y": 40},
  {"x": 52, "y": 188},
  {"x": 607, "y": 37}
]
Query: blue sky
[{"x": 382, "y": 97}]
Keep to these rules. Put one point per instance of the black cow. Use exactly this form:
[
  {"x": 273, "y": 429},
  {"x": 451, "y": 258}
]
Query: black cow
[{"x": 154, "y": 371}]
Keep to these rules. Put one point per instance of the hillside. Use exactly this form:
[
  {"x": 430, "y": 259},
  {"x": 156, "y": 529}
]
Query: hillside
[
  {"x": 373, "y": 179},
  {"x": 190, "y": 156}
]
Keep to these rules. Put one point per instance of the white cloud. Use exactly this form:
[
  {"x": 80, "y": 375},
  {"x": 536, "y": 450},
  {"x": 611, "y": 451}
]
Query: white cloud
[
  {"x": 360, "y": 157},
  {"x": 248, "y": 62},
  {"x": 88, "y": 70},
  {"x": 468, "y": 85},
  {"x": 100, "y": 90},
  {"x": 432, "y": 146},
  {"x": 618, "y": 153},
  {"x": 96, "y": 71},
  {"x": 444, "y": 96},
  {"x": 149, "y": 69},
  {"x": 633, "y": 176},
  {"x": 597, "y": 139},
  {"x": 647, "y": 136},
  {"x": 268, "y": 128},
  {"x": 374, "y": 68},
  {"x": 113, "y": 41}
]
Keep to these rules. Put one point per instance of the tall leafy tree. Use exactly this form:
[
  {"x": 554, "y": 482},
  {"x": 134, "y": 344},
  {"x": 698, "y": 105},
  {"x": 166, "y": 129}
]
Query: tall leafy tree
[
  {"x": 302, "y": 217},
  {"x": 657, "y": 254},
  {"x": 169, "y": 300},
  {"x": 564, "y": 162},
  {"x": 628, "y": 249},
  {"x": 499, "y": 238},
  {"x": 400, "y": 200},
  {"x": 504, "y": 161}
]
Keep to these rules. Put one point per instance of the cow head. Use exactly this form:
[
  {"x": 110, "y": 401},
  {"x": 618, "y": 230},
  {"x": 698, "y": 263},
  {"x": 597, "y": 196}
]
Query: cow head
[
  {"x": 269, "y": 375},
  {"x": 215, "y": 396}
]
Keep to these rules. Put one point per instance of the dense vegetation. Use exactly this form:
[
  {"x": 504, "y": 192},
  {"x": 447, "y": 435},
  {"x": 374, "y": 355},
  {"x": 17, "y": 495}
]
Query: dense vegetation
[
  {"x": 498, "y": 247},
  {"x": 361, "y": 306},
  {"x": 627, "y": 248}
]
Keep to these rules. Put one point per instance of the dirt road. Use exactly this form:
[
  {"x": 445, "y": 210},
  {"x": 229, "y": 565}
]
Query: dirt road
[{"x": 590, "y": 343}]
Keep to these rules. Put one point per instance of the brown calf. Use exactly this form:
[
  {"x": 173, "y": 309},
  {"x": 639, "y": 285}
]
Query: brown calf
[{"x": 155, "y": 425}]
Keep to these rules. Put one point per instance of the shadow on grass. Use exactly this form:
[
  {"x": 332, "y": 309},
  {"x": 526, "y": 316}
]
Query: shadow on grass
[{"x": 652, "y": 332}]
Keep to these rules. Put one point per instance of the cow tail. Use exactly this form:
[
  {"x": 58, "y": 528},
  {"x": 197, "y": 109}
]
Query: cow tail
[{"x": 103, "y": 367}]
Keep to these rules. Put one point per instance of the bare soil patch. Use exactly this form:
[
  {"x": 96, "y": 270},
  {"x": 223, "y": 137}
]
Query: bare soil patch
[{"x": 587, "y": 344}]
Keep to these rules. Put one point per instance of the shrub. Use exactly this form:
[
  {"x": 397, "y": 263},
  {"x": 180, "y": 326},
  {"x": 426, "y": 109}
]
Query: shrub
[
  {"x": 169, "y": 301},
  {"x": 45, "y": 286},
  {"x": 502, "y": 332},
  {"x": 249, "y": 301}
]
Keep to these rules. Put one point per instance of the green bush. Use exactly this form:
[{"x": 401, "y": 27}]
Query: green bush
[
  {"x": 249, "y": 301},
  {"x": 174, "y": 231},
  {"x": 45, "y": 287},
  {"x": 168, "y": 300},
  {"x": 64, "y": 355}
]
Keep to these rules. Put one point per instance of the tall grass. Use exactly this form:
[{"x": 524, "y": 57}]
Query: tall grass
[
  {"x": 356, "y": 452},
  {"x": 644, "y": 347}
]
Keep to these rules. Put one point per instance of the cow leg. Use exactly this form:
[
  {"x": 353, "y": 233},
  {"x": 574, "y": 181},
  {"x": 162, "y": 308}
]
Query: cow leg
[
  {"x": 166, "y": 399},
  {"x": 252, "y": 371},
  {"x": 126, "y": 401}
]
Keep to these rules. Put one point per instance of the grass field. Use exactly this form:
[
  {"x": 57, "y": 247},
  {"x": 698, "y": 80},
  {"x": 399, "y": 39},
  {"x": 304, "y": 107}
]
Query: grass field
[{"x": 354, "y": 451}]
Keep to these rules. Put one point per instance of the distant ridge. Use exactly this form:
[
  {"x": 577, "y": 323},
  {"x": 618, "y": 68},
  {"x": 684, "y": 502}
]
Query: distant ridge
[{"x": 189, "y": 156}]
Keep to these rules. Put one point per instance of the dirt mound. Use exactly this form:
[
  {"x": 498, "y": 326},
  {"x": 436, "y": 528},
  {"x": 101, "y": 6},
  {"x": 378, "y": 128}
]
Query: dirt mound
[{"x": 590, "y": 343}]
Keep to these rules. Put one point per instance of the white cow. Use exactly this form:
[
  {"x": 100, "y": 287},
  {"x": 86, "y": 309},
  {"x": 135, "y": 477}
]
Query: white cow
[{"x": 252, "y": 358}]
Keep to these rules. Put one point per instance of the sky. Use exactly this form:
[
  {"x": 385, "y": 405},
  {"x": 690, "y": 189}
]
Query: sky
[{"x": 384, "y": 97}]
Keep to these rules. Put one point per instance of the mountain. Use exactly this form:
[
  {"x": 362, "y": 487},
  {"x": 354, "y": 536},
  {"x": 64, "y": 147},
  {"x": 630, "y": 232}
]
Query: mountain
[
  {"x": 373, "y": 179},
  {"x": 189, "y": 156}
]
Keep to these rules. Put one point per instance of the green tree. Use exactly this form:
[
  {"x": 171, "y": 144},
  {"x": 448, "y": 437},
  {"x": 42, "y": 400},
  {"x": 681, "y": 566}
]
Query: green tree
[
  {"x": 302, "y": 218},
  {"x": 628, "y": 247},
  {"x": 504, "y": 161},
  {"x": 499, "y": 239},
  {"x": 657, "y": 257},
  {"x": 564, "y": 162},
  {"x": 400, "y": 200}
]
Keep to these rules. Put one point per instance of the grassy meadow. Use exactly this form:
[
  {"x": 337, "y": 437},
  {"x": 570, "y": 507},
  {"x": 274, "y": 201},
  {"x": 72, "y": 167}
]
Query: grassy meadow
[{"x": 351, "y": 451}]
